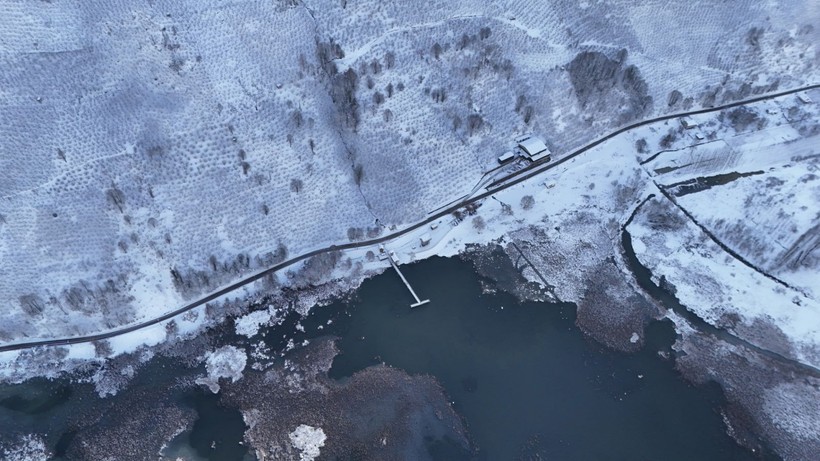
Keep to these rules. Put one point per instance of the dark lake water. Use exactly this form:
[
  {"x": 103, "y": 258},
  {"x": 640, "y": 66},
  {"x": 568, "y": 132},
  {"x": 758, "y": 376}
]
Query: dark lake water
[{"x": 527, "y": 382}]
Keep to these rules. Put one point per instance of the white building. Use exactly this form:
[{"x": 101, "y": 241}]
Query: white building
[
  {"x": 506, "y": 157},
  {"x": 688, "y": 122},
  {"x": 533, "y": 148}
]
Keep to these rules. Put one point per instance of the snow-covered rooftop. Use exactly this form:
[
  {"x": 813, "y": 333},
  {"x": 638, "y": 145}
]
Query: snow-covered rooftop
[{"x": 532, "y": 146}]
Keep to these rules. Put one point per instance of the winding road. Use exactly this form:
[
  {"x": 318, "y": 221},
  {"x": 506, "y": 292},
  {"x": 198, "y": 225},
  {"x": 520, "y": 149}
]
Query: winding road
[{"x": 500, "y": 184}]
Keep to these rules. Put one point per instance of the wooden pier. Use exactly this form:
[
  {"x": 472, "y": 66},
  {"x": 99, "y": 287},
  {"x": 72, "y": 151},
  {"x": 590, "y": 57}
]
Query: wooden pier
[{"x": 418, "y": 302}]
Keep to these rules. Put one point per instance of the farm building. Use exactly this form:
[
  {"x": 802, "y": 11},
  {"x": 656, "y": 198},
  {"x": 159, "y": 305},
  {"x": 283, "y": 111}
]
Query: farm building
[
  {"x": 532, "y": 148},
  {"x": 506, "y": 157},
  {"x": 688, "y": 122}
]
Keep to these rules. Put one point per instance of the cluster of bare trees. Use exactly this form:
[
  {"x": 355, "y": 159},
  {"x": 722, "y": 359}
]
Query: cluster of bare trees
[
  {"x": 596, "y": 78},
  {"x": 358, "y": 233},
  {"x": 469, "y": 209},
  {"x": 317, "y": 268},
  {"x": 742, "y": 117},
  {"x": 192, "y": 282},
  {"x": 108, "y": 301}
]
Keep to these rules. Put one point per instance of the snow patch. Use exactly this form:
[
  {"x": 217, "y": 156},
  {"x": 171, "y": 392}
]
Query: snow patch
[
  {"x": 248, "y": 325},
  {"x": 308, "y": 440},
  {"x": 29, "y": 448},
  {"x": 225, "y": 362}
]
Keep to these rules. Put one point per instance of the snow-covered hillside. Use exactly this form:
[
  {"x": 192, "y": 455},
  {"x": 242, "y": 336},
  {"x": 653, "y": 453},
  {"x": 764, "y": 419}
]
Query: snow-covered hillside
[{"x": 152, "y": 152}]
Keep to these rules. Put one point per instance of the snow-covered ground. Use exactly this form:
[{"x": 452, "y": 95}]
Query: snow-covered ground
[
  {"x": 723, "y": 291},
  {"x": 153, "y": 152},
  {"x": 739, "y": 243},
  {"x": 766, "y": 216}
]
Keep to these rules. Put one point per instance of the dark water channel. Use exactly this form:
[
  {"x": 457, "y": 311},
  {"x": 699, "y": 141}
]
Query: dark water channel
[{"x": 528, "y": 384}]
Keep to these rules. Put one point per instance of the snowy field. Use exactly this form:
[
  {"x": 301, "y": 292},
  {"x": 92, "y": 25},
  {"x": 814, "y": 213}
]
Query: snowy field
[
  {"x": 765, "y": 212},
  {"x": 723, "y": 291},
  {"x": 152, "y": 153}
]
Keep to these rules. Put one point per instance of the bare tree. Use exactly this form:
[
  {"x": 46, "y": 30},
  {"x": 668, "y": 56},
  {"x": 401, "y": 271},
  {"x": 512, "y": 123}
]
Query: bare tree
[
  {"x": 297, "y": 118},
  {"x": 474, "y": 122},
  {"x": 674, "y": 97},
  {"x": 355, "y": 233},
  {"x": 116, "y": 197},
  {"x": 358, "y": 173},
  {"x": 479, "y": 224},
  {"x": 463, "y": 42},
  {"x": 527, "y": 202},
  {"x": 436, "y": 50},
  {"x": 327, "y": 52},
  {"x": 32, "y": 304},
  {"x": 439, "y": 95},
  {"x": 641, "y": 146},
  {"x": 520, "y": 102},
  {"x": 214, "y": 263},
  {"x": 102, "y": 348},
  {"x": 296, "y": 185},
  {"x": 528, "y": 113},
  {"x": 171, "y": 328},
  {"x": 667, "y": 140}
]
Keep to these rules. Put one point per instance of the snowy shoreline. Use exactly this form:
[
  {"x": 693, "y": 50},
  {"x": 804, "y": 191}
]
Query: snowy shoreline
[{"x": 493, "y": 218}]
